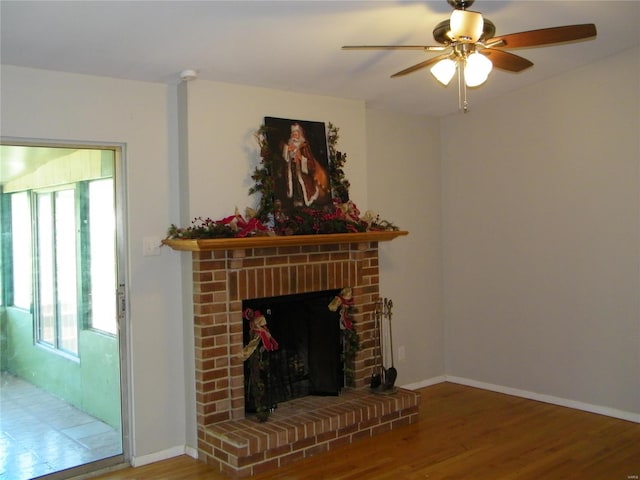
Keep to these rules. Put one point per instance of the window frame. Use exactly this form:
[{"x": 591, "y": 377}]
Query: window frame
[{"x": 36, "y": 272}]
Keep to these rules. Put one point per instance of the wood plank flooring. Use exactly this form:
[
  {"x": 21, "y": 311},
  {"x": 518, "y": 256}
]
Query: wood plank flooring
[{"x": 463, "y": 433}]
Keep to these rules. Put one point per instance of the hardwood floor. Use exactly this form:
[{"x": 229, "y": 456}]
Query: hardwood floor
[{"x": 463, "y": 433}]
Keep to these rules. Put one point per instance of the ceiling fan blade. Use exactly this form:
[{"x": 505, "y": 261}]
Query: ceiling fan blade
[
  {"x": 545, "y": 36},
  {"x": 506, "y": 61},
  {"x": 420, "y": 65},
  {"x": 425, "y": 48}
]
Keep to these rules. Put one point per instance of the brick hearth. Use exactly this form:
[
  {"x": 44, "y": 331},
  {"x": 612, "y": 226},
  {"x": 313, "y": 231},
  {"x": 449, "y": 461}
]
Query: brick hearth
[
  {"x": 304, "y": 427},
  {"x": 222, "y": 279}
]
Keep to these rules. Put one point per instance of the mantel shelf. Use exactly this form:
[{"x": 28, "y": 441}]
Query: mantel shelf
[{"x": 204, "y": 244}]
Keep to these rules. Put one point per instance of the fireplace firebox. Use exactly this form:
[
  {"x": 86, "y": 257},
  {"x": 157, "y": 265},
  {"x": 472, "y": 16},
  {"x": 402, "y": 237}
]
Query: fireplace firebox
[{"x": 308, "y": 359}]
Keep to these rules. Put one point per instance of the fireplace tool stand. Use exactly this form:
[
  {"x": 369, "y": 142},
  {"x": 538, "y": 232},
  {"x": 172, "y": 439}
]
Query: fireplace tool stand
[{"x": 383, "y": 379}]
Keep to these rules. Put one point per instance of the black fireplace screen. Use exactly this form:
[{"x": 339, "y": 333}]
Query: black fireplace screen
[{"x": 308, "y": 359}]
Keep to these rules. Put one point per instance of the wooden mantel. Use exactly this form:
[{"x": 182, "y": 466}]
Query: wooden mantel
[{"x": 205, "y": 244}]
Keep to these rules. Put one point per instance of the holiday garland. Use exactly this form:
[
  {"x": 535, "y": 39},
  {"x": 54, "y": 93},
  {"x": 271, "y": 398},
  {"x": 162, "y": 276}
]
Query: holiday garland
[
  {"x": 343, "y": 302},
  {"x": 256, "y": 352}
]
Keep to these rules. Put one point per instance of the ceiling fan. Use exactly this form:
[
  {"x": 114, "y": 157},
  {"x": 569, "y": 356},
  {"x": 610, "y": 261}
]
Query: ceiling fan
[{"x": 469, "y": 47}]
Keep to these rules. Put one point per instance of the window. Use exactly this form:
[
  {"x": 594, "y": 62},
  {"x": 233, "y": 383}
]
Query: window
[
  {"x": 102, "y": 227},
  {"x": 21, "y": 248},
  {"x": 57, "y": 295},
  {"x": 58, "y": 276}
]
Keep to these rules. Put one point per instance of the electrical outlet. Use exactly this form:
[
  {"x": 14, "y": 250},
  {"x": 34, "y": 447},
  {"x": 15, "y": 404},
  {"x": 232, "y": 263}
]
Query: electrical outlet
[
  {"x": 402, "y": 354},
  {"x": 150, "y": 246}
]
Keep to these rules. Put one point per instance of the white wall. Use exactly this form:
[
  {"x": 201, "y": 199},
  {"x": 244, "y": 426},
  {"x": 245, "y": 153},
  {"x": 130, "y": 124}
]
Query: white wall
[
  {"x": 403, "y": 167},
  {"x": 39, "y": 104},
  {"x": 541, "y": 237}
]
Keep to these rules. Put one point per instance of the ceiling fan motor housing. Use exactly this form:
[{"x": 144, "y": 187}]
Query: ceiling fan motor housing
[{"x": 442, "y": 31}]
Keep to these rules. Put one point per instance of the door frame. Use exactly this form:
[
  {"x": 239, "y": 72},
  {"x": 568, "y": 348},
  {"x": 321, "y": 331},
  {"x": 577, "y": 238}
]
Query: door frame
[{"x": 123, "y": 323}]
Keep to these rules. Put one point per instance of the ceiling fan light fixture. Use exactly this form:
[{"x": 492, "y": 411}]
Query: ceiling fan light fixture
[
  {"x": 477, "y": 69},
  {"x": 465, "y": 34},
  {"x": 444, "y": 70},
  {"x": 466, "y": 26}
]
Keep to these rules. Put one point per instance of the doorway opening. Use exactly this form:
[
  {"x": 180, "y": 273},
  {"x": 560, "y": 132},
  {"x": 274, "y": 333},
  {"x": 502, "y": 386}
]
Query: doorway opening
[{"x": 60, "y": 343}]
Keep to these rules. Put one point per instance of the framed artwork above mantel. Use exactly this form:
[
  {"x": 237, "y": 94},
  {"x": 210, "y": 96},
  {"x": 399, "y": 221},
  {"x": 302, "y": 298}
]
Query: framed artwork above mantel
[{"x": 300, "y": 163}]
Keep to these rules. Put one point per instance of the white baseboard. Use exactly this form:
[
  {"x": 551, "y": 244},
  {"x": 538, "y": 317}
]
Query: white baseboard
[
  {"x": 425, "y": 383},
  {"x": 563, "y": 402},
  {"x": 192, "y": 452},
  {"x": 161, "y": 455}
]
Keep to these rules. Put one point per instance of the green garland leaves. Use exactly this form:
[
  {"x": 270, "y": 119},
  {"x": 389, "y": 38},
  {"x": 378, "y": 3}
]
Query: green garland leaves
[
  {"x": 262, "y": 175},
  {"x": 339, "y": 184}
]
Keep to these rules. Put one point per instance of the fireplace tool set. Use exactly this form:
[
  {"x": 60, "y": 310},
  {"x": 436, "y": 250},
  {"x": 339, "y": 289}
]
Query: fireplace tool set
[{"x": 383, "y": 379}]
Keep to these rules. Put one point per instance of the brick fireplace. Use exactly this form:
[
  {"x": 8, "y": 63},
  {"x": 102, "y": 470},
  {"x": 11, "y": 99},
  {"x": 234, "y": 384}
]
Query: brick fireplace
[{"x": 228, "y": 271}]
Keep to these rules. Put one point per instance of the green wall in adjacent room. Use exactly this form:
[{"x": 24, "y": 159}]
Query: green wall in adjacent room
[{"x": 90, "y": 383}]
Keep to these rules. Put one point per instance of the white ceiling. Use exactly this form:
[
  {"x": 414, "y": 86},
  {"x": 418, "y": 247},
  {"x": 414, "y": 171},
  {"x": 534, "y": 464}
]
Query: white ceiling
[{"x": 295, "y": 45}]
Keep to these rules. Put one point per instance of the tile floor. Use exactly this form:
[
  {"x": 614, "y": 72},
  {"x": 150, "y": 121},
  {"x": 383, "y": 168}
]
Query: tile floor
[{"x": 41, "y": 434}]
